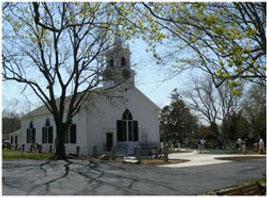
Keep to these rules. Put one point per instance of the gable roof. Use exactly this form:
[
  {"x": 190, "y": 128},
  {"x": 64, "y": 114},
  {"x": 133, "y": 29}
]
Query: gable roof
[
  {"x": 146, "y": 98},
  {"x": 42, "y": 110},
  {"x": 17, "y": 132}
]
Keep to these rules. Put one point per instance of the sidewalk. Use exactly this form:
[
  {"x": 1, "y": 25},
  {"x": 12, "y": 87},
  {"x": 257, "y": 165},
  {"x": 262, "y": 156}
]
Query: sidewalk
[{"x": 197, "y": 159}]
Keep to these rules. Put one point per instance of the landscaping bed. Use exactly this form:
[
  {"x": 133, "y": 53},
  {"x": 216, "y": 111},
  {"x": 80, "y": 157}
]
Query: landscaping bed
[
  {"x": 239, "y": 158},
  {"x": 261, "y": 181},
  {"x": 154, "y": 161},
  {"x": 144, "y": 161}
]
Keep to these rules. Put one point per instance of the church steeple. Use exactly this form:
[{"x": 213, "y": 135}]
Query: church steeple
[
  {"x": 118, "y": 39},
  {"x": 118, "y": 69}
]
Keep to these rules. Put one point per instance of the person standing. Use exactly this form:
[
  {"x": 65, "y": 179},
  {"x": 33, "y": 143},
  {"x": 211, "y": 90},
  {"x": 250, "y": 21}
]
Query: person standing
[
  {"x": 261, "y": 146},
  {"x": 56, "y": 143},
  {"x": 202, "y": 146},
  {"x": 239, "y": 143},
  {"x": 199, "y": 146}
]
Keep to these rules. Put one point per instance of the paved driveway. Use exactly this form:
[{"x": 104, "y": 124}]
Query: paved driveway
[{"x": 77, "y": 177}]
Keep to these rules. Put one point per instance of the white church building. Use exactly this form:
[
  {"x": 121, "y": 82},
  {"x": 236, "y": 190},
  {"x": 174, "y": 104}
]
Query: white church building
[{"x": 122, "y": 117}]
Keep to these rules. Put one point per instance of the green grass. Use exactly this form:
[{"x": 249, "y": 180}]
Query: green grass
[
  {"x": 226, "y": 151},
  {"x": 262, "y": 180},
  {"x": 12, "y": 154}
]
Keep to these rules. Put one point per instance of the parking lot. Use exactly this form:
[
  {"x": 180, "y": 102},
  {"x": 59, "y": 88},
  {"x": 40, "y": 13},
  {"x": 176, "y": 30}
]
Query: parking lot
[{"x": 82, "y": 177}]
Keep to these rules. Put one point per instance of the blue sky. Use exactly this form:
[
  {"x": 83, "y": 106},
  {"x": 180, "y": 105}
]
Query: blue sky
[{"x": 150, "y": 79}]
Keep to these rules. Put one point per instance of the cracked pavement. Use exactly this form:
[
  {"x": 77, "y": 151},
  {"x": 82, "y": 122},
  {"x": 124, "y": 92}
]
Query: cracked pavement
[{"x": 83, "y": 177}]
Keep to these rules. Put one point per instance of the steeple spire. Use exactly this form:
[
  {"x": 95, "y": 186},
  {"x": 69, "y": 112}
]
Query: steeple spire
[{"x": 118, "y": 39}]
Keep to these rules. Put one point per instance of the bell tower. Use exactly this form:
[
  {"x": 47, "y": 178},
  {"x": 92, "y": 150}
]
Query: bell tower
[{"x": 118, "y": 68}]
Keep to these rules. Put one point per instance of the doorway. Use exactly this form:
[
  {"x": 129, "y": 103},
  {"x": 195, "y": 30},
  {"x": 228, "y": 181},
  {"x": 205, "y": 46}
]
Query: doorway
[{"x": 109, "y": 141}]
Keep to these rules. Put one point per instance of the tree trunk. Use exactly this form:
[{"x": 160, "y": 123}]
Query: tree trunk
[{"x": 60, "y": 148}]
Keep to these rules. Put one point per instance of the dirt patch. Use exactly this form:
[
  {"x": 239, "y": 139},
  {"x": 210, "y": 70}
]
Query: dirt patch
[
  {"x": 239, "y": 158},
  {"x": 144, "y": 161},
  {"x": 161, "y": 161},
  {"x": 153, "y": 161}
]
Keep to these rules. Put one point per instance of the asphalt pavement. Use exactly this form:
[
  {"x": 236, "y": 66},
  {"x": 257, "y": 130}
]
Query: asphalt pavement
[{"x": 82, "y": 177}]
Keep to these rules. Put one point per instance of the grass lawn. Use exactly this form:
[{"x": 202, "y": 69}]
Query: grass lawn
[
  {"x": 12, "y": 154},
  {"x": 226, "y": 151}
]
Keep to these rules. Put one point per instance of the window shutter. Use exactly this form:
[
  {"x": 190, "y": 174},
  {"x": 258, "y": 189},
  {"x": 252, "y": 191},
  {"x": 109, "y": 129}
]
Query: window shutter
[
  {"x": 130, "y": 131},
  {"x": 135, "y": 130},
  {"x": 50, "y": 135},
  {"x": 119, "y": 130},
  {"x": 33, "y": 135},
  {"x": 43, "y": 135},
  {"x": 67, "y": 135},
  {"x": 124, "y": 131},
  {"x": 73, "y": 133},
  {"x": 27, "y": 136}
]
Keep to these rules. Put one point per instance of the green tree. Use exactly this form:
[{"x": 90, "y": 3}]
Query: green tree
[
  {"x": 238, "y": 126},
  {"x": 226, "y": 40},
  {"x": 177, "y": 123}
]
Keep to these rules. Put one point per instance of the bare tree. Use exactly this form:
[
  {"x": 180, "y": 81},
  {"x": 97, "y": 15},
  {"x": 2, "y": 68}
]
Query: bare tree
[
  {"x": 214, "y": 105},
  {"x": 56, "y": 50},
  {"x": 11, "y": 116}
]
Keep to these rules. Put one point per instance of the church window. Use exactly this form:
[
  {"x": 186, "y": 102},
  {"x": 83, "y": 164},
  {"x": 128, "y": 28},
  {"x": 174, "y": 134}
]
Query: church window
[
  {"x": 70, "y": 134},
  {"x": 123, "y": 62},
  {"x": 47, "y": 133},
  {"x": 73, "y": 133},
  {"x": 121, "y": 131},
  {"x": 111, "y": 62},
  {"x": 30, "y": 134},
  {"x": 127, "y": 128},
  {"x": 127, "y": 115},
  {"x": 11, "y": 139}
]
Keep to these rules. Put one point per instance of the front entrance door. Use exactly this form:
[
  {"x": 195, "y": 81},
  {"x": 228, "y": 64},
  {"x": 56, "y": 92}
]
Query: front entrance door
[{"x": 109, "y": 141}]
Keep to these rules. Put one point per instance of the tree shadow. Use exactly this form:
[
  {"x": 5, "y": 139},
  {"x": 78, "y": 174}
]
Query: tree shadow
[{"x": 89, "y": 171}]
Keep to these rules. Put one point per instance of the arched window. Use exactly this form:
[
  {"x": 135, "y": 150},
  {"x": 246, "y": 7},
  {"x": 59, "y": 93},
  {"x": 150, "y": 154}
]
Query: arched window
[
  {"x": 47, "y": 133},
  {"x": 47, "y": 122},
  {"x": 127, "y": 115},
  {"x": 30, "y": 134},
  {"x": 31, "y": 125},
  {"x": 70, "y": 134},
  {"x": 111, "y": 62},
  {"x": 123, "y": 62},
  {"x": 127, "y": 128}
]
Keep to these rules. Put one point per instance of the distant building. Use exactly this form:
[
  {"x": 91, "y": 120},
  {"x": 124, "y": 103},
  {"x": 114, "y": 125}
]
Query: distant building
[
  {"x": 122, "y": 117},
  {"x": 13, "y": 136}
]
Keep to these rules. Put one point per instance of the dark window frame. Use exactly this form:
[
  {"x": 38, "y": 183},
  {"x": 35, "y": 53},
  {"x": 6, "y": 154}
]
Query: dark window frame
[
  {"x": 47, "y": 135},
  {"x": 123, "y": 62},
  {"x": 30, "y": 134},
  {"x": 111, "y": 62},
  {"x": 71, "y": 135},
  {"x": 127, "y": 124}
]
